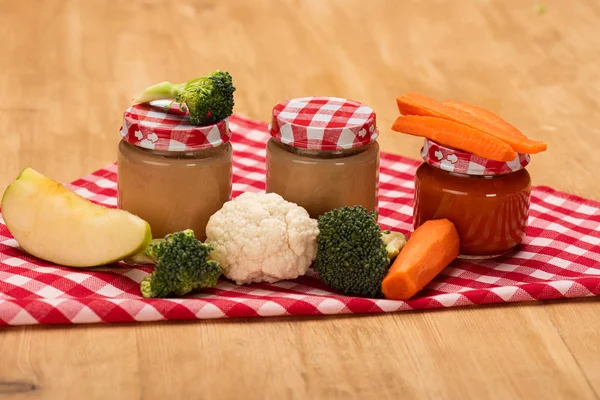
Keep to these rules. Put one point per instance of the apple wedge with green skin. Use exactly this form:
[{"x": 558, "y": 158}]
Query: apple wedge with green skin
[{"x": 55, "y": 224}]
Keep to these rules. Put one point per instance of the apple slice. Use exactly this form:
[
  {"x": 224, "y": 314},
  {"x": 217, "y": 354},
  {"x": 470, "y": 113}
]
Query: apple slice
[{"x": 55, "y": 224}]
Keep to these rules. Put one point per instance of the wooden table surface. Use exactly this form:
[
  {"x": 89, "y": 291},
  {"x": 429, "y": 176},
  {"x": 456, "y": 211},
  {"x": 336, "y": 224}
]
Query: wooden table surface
[{"x": 69, "y": 68}]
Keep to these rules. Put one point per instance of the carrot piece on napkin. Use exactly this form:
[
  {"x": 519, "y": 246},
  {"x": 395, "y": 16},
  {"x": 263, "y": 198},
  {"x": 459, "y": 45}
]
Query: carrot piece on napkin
[
  {"x": 418, "y": 104},
  {"x": 430, "y": 248},
  {"x": 455, "y": 135}
]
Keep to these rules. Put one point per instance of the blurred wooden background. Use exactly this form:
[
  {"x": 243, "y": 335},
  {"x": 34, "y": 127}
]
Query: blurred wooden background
[{"x": 68, "y": 69}]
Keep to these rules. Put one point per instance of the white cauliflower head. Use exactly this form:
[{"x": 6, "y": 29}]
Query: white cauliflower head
[{"x": 261, "y": 237}]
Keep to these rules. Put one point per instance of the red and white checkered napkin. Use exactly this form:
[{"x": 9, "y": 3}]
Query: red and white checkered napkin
[{"x": 560, "y": 259}]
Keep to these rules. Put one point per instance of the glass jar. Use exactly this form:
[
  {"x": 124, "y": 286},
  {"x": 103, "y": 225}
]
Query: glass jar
[
  {"x": 487, "y": 201},
  {"x": 323, "y": 154},
  {"x": 321, "y": 180},
  {"x": 173, "y": 175}
]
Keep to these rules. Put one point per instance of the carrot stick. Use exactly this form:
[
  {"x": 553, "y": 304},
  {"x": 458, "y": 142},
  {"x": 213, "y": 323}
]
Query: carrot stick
[
  {"x": 487, "y": 115},
  {"x": 455, "y": 135},
  {"x": 418, "y": 104},
  {"x": 527, "y": 146},
  {"x": 430, "y": 248}
]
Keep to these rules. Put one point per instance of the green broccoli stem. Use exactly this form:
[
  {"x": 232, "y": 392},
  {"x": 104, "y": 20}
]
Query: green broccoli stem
[
  {"x": 394, "y": 242},
  {"x": 161, "y": 91},
  {"x": 146, "y": 287},
  {"x": 142, "y": 257}
]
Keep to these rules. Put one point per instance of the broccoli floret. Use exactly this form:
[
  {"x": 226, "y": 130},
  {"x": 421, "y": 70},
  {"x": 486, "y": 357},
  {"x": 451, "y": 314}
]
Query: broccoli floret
[
  {"x": 182, "y": 266},
  {"x": 208, "y": 98},
  {"x": 352, "y": 256}
]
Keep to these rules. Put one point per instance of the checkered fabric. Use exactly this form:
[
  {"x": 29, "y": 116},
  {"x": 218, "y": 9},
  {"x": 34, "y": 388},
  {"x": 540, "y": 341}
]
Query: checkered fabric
[
  {"x": 453, "y": 160},
  {"x": 560, "y": 259},
  {"x": 152, "y": 127},
  {"x": 323, "y": 123}
]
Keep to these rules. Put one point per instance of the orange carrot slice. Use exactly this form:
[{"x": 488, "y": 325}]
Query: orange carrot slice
[
  {"x": 418, "y": 104},
  {"x": 455, "y": 135},
  {"x": 526, "y": 145},
  {"x": 430, "y": 248},
  {"x": 487, "y": 115}
]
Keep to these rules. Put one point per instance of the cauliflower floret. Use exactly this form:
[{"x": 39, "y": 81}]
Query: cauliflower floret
[{"x": 261, "y": 237}]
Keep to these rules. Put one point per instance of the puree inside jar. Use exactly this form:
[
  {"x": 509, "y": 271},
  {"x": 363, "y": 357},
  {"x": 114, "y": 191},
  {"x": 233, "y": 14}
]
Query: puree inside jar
[
  {"x": 321, "y": 180},
  {"x": 174, "y": 191},
  {"x": 490, "y": 213}
]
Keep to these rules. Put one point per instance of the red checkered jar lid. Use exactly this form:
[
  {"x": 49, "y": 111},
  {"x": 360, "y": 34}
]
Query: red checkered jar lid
[
  {"x": 323, "y": 123},
  {"x": 460, "y": 162},
  {"x": 152, "y": 127}
]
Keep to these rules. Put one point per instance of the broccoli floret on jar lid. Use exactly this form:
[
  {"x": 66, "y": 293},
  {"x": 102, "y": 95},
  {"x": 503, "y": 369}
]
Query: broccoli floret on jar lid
[{"x": 209, "y": 98}]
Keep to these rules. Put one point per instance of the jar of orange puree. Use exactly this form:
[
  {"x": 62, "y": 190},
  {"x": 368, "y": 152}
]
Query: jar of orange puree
[
  {"x": 488, "y": 201},
  {"x": 473, "y": 172},
  {"x": 170, "y": 173}
]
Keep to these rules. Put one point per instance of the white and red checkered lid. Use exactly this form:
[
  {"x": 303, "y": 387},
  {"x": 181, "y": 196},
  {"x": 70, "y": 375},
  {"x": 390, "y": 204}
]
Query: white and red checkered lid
[
  {"x": 151, "y": 126},
  {"x": 323, "y": 123},
  {"x": 462, "y": 162}
]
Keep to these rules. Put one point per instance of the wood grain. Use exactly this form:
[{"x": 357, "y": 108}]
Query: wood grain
[{"x": 69, "y": 68}]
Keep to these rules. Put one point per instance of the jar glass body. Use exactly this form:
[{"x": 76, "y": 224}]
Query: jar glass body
[
  {"x": 174, "y": 191},
  {"x": 490, "y": 212},
  {"x": 321, "y": 180}
]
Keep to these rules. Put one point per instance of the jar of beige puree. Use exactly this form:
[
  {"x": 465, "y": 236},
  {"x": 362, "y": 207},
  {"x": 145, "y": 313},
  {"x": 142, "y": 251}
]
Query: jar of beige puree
[
  {"x": 323, "y": 154},
  {"x": 170, "y": 173}
]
